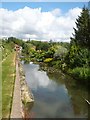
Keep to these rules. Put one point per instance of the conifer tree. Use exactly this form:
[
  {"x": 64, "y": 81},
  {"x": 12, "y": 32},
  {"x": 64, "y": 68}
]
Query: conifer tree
[{"x": 82, "y": 30}]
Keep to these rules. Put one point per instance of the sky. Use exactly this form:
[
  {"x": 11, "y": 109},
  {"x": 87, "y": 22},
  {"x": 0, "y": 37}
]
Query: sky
[
  {"x": 39, "y": 20},
  {"x": 44, "y": 0}
]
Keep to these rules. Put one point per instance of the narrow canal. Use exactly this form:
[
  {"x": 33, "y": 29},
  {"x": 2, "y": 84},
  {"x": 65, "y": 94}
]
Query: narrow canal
[{"x": 56, "y": 94}]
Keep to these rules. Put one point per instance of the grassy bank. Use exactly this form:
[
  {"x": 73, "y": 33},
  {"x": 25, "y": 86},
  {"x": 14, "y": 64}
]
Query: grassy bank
[{"x": 8, "y": 78}]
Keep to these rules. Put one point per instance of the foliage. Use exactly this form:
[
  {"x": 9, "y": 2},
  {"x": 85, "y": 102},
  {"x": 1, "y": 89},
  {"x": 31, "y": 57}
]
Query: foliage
[
  {"x": 48, "y": 60},
  {"x": 50, "y": 52},
  {"x": 77, "y": 57},
  {"x": 15, "y": 40},
  {"x": 40, "y": 45},
  {"x": 82, "y": 73},
  {"x": 64, "y": 45},
  {"x": 82, "y": 32},
  {"x": 60, "y": 52},
  {"x": 6, "y": 48}
]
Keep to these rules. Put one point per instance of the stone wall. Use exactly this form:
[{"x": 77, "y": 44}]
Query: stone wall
[{"x": 27, "y": 97}]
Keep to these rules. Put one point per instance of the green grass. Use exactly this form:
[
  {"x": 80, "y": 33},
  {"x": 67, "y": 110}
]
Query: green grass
[
  {"x": 0, "y": 85},
  {"x": 8, "y": 79}
]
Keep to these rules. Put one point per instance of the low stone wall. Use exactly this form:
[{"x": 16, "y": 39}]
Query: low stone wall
[{"x": 27, "y": 97}]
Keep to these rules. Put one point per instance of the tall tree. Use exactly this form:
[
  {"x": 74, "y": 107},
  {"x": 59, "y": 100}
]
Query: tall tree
[
  {"x": 79, "y": 52},
  {"x": 82, "y": 30}
]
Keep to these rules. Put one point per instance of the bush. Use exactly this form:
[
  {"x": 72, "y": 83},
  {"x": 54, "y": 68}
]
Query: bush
[
  {"x": 81, "y": 73},
  {"x": 47, "y": 60}
]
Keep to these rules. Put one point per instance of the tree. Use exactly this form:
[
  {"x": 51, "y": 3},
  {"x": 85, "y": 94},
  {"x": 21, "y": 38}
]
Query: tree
[
  {"x": 15, "y": 40},
  {"x": 77, "y": 57},
  {"x": 60, "y": 53},
  {"x": 79, "y": 51},
  {"x": 82, "y": 30}
]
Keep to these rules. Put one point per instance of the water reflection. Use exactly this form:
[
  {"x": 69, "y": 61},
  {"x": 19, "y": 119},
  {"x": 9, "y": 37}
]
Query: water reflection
[
  {"x": 39, "y": 79},
  {"x": 77, "y": 94},
  {"x": 54, "y": 95}
]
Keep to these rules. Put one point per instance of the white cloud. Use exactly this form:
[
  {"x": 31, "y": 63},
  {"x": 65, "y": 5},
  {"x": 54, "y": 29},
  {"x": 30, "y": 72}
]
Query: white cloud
[
  {"x": 33, "y": 23},
  {"x": 56, "y": 12}
]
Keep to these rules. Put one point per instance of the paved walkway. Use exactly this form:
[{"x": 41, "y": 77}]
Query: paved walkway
[{"x": 16, "y": 111}]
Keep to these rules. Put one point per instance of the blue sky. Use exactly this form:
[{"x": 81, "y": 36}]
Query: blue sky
[{"x": 46, "y": 6}]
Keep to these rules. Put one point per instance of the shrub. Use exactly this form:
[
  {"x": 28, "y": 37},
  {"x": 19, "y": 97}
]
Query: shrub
[
  {"x": 81, "y": 73},
  {"x": 47, "y": 60}
]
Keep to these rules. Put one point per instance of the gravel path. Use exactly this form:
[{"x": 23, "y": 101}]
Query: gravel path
[{"x": 16, "y": 111}]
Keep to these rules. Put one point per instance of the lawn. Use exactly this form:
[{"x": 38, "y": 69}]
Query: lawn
[
  {"x": 0, "y": 85},
  {"x": 8, "y": 79}
]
